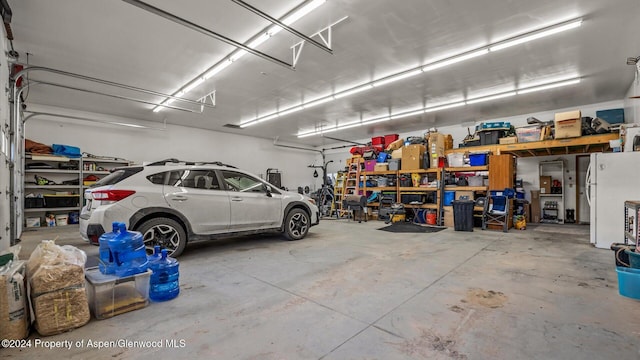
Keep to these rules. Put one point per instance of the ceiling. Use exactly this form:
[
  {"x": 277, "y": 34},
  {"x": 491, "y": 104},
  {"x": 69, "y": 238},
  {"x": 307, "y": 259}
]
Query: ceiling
[{"x": 116, "y": 41}]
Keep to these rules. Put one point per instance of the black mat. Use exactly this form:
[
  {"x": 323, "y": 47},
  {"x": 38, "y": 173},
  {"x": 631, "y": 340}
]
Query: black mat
[{"x": 401, "y": 227}]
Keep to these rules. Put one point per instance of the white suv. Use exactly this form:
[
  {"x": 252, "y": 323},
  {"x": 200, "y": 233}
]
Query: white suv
[{"x": 172, "y": 202}]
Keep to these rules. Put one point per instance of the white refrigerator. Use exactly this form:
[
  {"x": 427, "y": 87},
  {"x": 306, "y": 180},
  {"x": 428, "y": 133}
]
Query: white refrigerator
[{"x": 612, "y": 179}]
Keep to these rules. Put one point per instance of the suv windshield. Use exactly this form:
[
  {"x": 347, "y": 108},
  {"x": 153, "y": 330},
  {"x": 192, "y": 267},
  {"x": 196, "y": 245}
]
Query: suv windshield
[{"x": 117, "y": 175}]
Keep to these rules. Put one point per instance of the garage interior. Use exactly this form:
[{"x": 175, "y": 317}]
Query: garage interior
[{"x": 316, "y": 92}]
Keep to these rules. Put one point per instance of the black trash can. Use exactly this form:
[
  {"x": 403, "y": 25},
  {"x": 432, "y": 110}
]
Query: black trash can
[{"x": 463, "y": 215}]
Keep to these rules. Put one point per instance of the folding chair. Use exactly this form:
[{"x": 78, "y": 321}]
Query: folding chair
[{"x": 496, "y": 212}]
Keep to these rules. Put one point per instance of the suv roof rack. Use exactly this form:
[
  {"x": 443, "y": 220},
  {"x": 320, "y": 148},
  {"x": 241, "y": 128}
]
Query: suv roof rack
[{"x": 176, "y": 161}]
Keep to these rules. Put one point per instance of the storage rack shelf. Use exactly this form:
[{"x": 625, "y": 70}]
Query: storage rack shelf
[
  {"x": 581, "y": 145},
  {"x": 48, "y": 166}
]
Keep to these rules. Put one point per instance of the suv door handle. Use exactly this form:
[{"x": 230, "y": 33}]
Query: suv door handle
[
  {"x": 179, "y": 198},
  {"x": 236, "y": 199}
]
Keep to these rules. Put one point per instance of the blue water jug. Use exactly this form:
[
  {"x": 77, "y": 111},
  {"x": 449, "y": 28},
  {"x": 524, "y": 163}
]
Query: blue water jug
[
  {"x": 106, "y": 264},
  {"x": 155, "y": 256},
  {"x": 164, "y": 284},
  {"x": 129, "y": 253}
]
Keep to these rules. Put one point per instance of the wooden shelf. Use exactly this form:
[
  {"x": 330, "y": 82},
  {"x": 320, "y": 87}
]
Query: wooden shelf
[
  {"x": 386, "y": 188},
  {"x": 419, "y": 171},
  {"x": 417, "y": 189},
  {"x": 373, "y": 173},
  {"x": 581, "y": 145},
  {"x": 468, "y": 168},
  {"x": 467, "y": 188},
  {"x": 423, "y": 206},
  {"x": 550, "y": 194}
]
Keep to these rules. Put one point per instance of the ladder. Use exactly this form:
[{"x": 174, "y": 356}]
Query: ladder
[
  {"x": 338, "y": 188},
  {"x": 352, "y": 182}
]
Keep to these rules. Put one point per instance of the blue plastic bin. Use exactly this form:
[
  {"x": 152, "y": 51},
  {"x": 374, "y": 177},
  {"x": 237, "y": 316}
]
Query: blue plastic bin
[
  {"x": 612, "y": 116},
  {"x": 382, "y": 157},
  {"x": 629, "y": 282},
  {"x": 449, "y": 196},
  {"x": 478, "y": 159}
]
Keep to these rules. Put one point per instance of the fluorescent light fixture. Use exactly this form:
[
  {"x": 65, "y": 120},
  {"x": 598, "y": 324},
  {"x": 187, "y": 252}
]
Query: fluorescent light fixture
[
  {"x": 444, "y": 107},
  {"x": 302, "y": 12},
  {"x": 491, "y": 97},
  {"x": 352, "y": 91},
  {"x": 259, "y": 39},
  {"x": 288, "y": 111},
  {"x": 193, "y": 85},
  {"x": 537, "y": 35},
  {"x": 550, "y": 86},
  {"x": 216, "y": 69},
  {"x": 376, "y": 120},
  {"x": 407, "y": 114},
  {"x": 318, "y": 102},
  {"x": 400, "y": 76},
  {"x": 262, "y": 38},
  {"x": 259, "y": 120},
  {"x": 129, "y": 125},
  {"x": 454, "y": 59},
  {"x": 445, "y": 62}
]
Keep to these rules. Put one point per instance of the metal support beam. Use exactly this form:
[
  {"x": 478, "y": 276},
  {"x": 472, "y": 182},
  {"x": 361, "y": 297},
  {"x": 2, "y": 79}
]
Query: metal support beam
[
  {"x": 121, "y": 97},
  {"x": 205, "y": 31},
  {"x": 282, "y": 25},
  {"x": 325, "y": 39},
  {"x": 203, "y": 100}
]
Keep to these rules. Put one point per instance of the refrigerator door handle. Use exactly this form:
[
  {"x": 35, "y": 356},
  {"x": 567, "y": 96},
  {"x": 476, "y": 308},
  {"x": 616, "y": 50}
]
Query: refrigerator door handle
[{"x": 587, "y": 181}]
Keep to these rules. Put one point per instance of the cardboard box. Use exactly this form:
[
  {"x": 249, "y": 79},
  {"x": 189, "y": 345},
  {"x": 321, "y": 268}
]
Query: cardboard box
[
  {"x": 568, "y": 124},
  {"x": 436, "y": 148},
  {"x": 397, "y": 154},
  {"x": 508, "y": 140},
  {"x": 381, "y": 167},
  {"x": 33, "y": 222},
  {"x": 412, "y": 156},
  {"x": 535, "y": 206},
  {"x": 545, "y": 184},
  {"x": 448, "y": 216},
  {"x": 469, "y": 194},
  {"x": 398, "y": 144}
]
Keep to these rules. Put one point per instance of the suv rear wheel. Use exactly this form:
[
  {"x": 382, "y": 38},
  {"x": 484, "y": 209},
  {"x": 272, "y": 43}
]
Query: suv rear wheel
[
  {"x": 167, "y": 233},
  {"x": 297, "y": 224}
]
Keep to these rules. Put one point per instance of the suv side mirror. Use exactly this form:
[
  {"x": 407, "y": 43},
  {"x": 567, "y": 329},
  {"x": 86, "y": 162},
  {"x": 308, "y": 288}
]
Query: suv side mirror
[{"x": 267, "y": 189}]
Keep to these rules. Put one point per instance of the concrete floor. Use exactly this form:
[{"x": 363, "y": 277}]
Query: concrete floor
[{"x": 349, "y": 291}]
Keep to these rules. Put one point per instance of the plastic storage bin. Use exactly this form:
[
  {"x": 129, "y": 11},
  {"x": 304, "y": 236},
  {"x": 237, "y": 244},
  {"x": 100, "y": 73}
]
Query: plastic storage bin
[
  {"x": 377, "y": 140},
  {"x": 369, "y": 165},
  {"x": 478, "y": 159},
  {"x": 528, "y": 134},
  {"x": 394, "y": 164},
  {"x": 629, "y": 282},
  {"x": 456, "y": 159},
  {"x": 490, "y": 137},
  {"x": 33, "y": 202},
  {"x": 110, "y": 295},
  {"x": 634, "y": 259},
  {"x": 449, "y": 196},
  {"x": 475, "y": 180},
  {"x": 612, "y": 116},
  {"x": 53, "y": 201},
  {"x": 382, "y": 157},
  {"x": 463, "y": 215},
  {"x": 389, "y": 138}
]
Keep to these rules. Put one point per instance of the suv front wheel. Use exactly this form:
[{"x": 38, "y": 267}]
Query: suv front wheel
[
  {"x": 296, "y": 225},
  {"x": 167, "y": 233}
]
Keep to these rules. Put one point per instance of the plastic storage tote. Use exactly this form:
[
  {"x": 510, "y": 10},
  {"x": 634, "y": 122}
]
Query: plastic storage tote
[
  {"x": 629, "y": 282},
  {"x": 478, "y": 159},
  {"x": 110, "y": 295},
  {"x": 449, "y": 196}
]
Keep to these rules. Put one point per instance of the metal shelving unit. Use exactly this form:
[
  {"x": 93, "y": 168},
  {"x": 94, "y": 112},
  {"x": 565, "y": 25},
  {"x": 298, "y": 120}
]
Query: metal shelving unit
[
  {"x": 552, "y": 204},
  {"x": 48, "y": 166}
]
